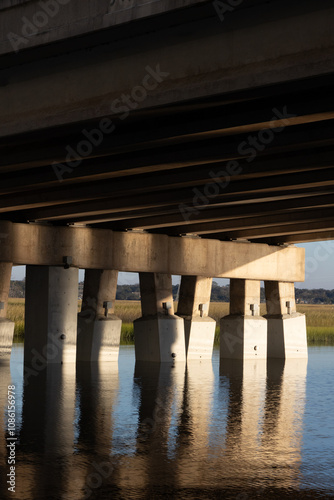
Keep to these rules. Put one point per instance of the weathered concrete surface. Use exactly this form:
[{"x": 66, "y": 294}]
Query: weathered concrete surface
[
  {"x": 99, "y": 287},
  {"x": 159, "y": 339},
  {"x": 99, "y": 329},
  {"x": 243, "y": 295},
  {"x": 159, "y": 333},
  {"x": 33, "y": 244},
  {"x": 83, "y": 85},
  {"x": 287, "y": 336},
  {"x": 5, "y": 275},
  {"x": 199, "y": 336},
  {"x": 280, "y": 297},
  {"x": 51, "y": 315},
  {"x": 243, "y": 337},
  {"x": 243, "y": 333},
  {"x": 98, "y": 340},
  {"x": 195, "y": 292},
  {"x": 193, "y": 306},
  {"x": 155, "y": 291},
  {"x": 68, "y": 18}
]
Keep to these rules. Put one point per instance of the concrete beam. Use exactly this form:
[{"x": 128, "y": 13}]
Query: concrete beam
[
  {"x": 72, "y": 19},
  {"x": 194, "y": 66},
  {"x": 33, "y": 244}
]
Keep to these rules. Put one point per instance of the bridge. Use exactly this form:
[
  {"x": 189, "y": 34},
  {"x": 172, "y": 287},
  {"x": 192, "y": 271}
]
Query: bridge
[{"x": 191, "y": 138}]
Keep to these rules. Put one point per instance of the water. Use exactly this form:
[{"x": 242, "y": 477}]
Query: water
[{"x": 210, "y": 432}]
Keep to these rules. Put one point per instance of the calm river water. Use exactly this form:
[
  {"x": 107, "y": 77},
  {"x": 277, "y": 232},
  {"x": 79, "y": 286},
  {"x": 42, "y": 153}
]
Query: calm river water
[{"x": 209, "y": 431}]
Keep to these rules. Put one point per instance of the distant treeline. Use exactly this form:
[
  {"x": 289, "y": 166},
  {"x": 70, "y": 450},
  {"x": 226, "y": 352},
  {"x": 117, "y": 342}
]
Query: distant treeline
[{"x": 218, "y": 294}]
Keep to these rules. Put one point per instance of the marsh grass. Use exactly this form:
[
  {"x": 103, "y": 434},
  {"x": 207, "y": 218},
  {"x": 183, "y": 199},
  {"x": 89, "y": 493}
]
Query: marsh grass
[
  {"x": 322, "y": 335},
  {"x": 16, "y": 313},
  {"x": 319, "y": 318},
  {"x": 320, "y": 323},
  {"x": 128, "y": 310}
]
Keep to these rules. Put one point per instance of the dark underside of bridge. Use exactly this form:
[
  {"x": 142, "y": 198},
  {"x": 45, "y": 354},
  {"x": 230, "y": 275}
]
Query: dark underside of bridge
[{"x": 162, "y": 170}]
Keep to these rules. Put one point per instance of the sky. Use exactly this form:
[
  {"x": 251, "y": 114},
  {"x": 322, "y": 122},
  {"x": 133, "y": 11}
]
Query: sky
[{"x": 319, "y": 268}]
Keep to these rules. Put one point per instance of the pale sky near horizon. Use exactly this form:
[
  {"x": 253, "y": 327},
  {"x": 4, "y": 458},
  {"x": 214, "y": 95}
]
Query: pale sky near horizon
[{"x": 319, "y": 266}]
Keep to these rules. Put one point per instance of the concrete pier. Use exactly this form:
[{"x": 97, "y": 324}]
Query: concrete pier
[
  {"x": 51, "y": 315},
  {"x": 243, "y": 333},
  {"x": 54, "y": 254},
  {"x": 159, "y": 333},
  {"x": 99, "y": 329},
  {"x": 6, "y": 326},
  {"x": 286, "y": 328},
  {"x": 199, "y": 329}
]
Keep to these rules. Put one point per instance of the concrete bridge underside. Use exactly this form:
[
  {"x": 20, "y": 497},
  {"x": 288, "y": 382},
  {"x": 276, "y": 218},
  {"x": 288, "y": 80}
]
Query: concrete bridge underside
[
  {"x": 56, "y": 333},
  {"x": 221, "y": 129},
  {"x": 172, "y": 141}
]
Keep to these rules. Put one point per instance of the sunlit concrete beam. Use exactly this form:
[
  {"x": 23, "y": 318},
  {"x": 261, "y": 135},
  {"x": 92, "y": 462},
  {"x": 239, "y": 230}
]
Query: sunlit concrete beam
[{"x": 34, "y": 244}]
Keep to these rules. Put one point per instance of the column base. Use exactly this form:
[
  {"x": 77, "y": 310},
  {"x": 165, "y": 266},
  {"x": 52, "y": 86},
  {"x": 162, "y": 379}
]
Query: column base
[
  {"x": 159, "y": 339},
  {"x": 287, "y": 336},
  {"x": 199, "y": 336},
  {"x": 98, "y": 340},
  {"x": 243, "y": 337},
  {"x": 6, "y": 339}
]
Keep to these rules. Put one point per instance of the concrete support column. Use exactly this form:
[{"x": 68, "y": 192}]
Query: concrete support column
[
  {"x": 50, "y": 315},
  {"x": 243, "y": 334},
  {"x": 199, "y": 329},
  {"x": 99, "y": 329},
  {"x": 159, "y": 333},
  {"x": 6, "y": 326},
  {"x": 286, "y": 328}
]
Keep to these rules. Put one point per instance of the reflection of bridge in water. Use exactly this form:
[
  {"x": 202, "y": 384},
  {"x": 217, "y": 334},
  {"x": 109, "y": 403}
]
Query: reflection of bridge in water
[{"x": 168, "y": 430}]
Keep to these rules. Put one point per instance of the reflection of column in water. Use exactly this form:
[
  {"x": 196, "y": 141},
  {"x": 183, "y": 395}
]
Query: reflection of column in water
[
  {"x": 59, "y": 431},
  {"x": 30, "y": 467},
  {"x": 46, "y": 437},
  {"x": 282, "y": 423},
  {"x": 160, "y": 386},
  {"x": 59, "y": 428},
  {"x": 5, "y": 381},
  {"x": 97, "y": 389},
  {"x": 253, "y": 391},
  {"x": 194, "y": 422},
  {"x": 237, "y": 455}
]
